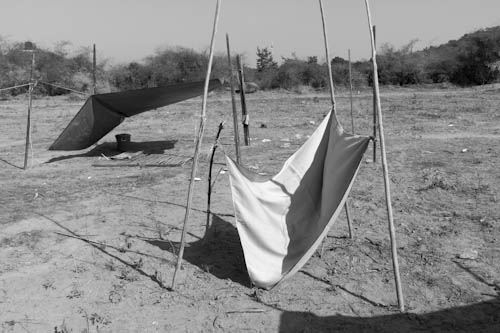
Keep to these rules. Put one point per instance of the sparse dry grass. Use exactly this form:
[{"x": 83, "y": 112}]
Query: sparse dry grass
[{"x": 443, "y": 153}]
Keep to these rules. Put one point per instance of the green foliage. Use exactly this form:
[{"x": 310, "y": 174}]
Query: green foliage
[
  {"x": 265, "y": 61},
  {"x": 294, "y": 72},
  {"x": 58, "y": 66},
  {"x": 471, "y": 60}
]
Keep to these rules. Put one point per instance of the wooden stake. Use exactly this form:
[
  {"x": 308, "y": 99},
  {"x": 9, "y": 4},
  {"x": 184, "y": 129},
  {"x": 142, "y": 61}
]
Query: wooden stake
[
  {"x": 374, "y": 107},
  {"x": 29, "y": 146},
  {"x": 332, "y": 97},
  {"x": 197, "y": 147},
  {"x": 328, "y": 63},
  {"x": 209, "y": 193},
  {"x": 233, "y": 103},
  {"x": 245, "y": 120},
  {"x": 392, "y": 232},
  {"x": 94, "y": 65},
  {"x": 350, "y": 89}
]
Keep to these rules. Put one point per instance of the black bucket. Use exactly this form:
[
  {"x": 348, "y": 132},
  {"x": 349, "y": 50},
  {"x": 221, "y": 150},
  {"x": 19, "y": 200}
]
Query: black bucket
[{"x": 122, "y": 142}]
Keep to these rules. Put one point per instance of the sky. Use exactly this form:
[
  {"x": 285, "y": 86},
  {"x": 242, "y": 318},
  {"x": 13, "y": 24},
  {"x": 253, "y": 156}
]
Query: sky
[{"x": 130, "y": 30}]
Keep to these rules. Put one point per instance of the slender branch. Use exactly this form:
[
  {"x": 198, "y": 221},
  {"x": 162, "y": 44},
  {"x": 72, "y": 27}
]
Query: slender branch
[
  {"x": 197, "y": 147},
  {"x": 328, "y": 63},
  {"x": 392, "y": 232},
  {"x": 233, "y": 104},
  {"x": 209, "y": 194}
]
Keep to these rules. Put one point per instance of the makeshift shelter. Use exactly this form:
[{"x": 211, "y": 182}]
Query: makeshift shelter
[{"x": 103, "y": 112}]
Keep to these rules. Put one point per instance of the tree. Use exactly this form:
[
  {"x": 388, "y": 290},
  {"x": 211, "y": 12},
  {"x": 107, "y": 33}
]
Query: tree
[{"x": 265, "y": 60}]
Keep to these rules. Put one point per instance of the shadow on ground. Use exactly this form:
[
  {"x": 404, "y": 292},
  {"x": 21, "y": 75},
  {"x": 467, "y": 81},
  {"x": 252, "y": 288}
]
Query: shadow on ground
[
  {"x": 10, "y": 164},
  {"x": 109, "y": 149},
  {"x": 479, "y": 317},
  {"x": 218, "y": 253}
]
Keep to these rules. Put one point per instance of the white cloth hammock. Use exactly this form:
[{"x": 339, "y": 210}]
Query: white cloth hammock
[{"x": 282, "y": 220}]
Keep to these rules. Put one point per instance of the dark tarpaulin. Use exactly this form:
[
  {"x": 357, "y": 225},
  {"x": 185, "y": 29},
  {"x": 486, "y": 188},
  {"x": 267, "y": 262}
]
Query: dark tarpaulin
[{"x": 103, "y": 112}]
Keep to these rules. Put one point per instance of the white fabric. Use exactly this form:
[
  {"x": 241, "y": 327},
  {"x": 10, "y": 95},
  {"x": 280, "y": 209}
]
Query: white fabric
[{"x": 281, "y": 220}]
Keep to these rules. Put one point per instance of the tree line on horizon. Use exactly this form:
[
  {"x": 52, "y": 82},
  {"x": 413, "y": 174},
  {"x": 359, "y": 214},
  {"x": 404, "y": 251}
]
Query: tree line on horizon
[{"x": 474, "y": 59}]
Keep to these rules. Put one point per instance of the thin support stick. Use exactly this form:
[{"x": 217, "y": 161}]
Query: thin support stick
[
  {"x": 233, "y": 103},
  {"x": 244, "y": 112},
  {"x": 94, "y": 66},
  {"x": 28, "y": 121},
  {"x": 332, "y": 97},
  {"x": 392, "y": 232},
  {"x": 328, "y": 63},
  {"x": 209, "y": 193},
  {"x": 197, "y": 147},
  {"x": 374, "y": 105},
  {"x": 350, "y": 89}
]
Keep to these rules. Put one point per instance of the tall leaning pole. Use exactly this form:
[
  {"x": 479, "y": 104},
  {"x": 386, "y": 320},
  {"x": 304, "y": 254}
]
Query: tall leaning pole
[
  {"x": 197, "y": 147},
  {"x": 392, "y": 232},
  {"x": 334, "y": 107}
]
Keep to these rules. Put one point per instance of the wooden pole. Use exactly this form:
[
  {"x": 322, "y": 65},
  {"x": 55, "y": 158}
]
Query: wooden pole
[
  {"x": 94, "y": 65},
  {"x": 245, "y": 120},
  {"x": 392, "y": 232},
  {"x": 233, "y": 103},
  {"x": 350, "y": 89},
  {"x": 197, "y": 147},
  {"x": 374, "y": 105},
  {"x": 29, "y": 146},
  {"x": 209, "y": 193},
  {"x": 328, "y": 63},
  {"x": 332, "y": 97}
]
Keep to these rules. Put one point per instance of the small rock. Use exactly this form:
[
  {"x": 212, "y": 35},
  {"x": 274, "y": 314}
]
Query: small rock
[{"x": 468, "y": 254}]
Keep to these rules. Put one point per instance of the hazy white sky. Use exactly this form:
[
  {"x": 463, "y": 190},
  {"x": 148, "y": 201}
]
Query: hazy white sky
[{"x": 126, "y": 30}]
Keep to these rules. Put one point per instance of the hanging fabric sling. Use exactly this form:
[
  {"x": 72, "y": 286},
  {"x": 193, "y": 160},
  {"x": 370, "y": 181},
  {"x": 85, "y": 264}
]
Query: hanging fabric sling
[{"x": 281, "y": 220}]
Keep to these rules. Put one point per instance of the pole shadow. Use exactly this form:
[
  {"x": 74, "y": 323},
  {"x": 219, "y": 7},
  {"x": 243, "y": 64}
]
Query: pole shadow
[
  {"x": 218, "y": 253},
  {"x": 11, "y": 164},
  {"x": 103, "y": 249},
  {"x": 478, "y": 317},
  {"x": 109, "y": 149}
]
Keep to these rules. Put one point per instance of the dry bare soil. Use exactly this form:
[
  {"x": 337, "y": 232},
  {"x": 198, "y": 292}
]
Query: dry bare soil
[{"x": 89, "y": 244}]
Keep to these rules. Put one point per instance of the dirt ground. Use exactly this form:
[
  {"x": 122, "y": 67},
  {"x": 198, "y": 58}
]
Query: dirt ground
[{"x": 89, "y": 244}]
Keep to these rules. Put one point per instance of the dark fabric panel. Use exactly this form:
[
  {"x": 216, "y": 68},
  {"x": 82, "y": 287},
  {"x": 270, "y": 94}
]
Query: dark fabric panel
[
  {"x": 91, "y": 123},
  {"x": 132, "y": 102},
  {"x": 103, "y": 112}
]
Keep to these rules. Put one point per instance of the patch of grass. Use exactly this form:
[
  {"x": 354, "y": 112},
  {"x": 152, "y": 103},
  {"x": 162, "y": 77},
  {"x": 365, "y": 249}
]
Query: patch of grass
[
  {"x": 28, "y": 239},
  {"x": 434, "y": 178},
  {"x": 75, "y": 292}
]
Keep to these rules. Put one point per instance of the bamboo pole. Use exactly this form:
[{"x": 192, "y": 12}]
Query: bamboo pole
[
  {"x": 392, "y": 232},
  {"x": 197, "y": 147},
  {"x": 29, "y": 145},
  {"x": 94, "y": 66},
  {"x": 374, "y": 104},
  {"x": 332, "y": 97},
  {"x": 350, "y": 89},
  {"x": 233, "y": 103},
  {"x": 244, "y": 112},
  {"x": 328, "y": 63},
  {"x": 209, "y": 193}
]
